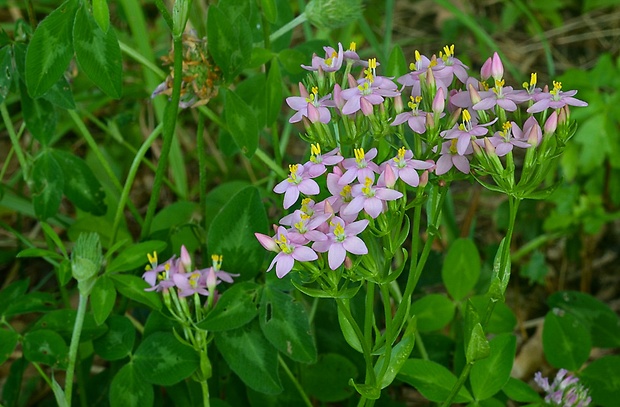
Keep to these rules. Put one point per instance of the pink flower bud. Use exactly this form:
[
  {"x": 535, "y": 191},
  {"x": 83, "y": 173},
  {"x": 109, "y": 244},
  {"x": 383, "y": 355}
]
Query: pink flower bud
[
  {"x": 352, "y": 81},
  {"x": 564, "y": 116},
  {"x": 430, "y": 121},
  {"x": 313, "y": 113},
  {"x": 423, "y": 179},
  {"x": 485, "y": 70},
  {"x": 211, "y": 281},
  {"x": 439, "y": 101},
  {"x": 497, "y": 68},
  {"x": 366, "y": 107},
  {"x": 477, "y": 150},
  {"x": 303, "y": 92},
  {"x": 337, "y": 93},
  {"x": 534, "y": 134},
  {"x": 389, "y": 177},
  {"x": 398, "y": 104},
  {"x": 186, "y": 260},
  {"x": 430, "y": 78},
  {"x": 454, "y": 117},
  {"x": 267, "y": 242},
  {"x": 473, "y": 94},
  {"x": 552, "y": 123},
  {"x": 489, "y": 148},
  {"x": 348, "y": 263}
]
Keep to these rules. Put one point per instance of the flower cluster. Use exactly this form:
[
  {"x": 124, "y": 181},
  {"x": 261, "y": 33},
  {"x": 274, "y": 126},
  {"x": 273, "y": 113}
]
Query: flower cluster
[
  {"x": 565, "y": 391},
  {"x": 178, "y": 273},
  {"x": 359, "y": 188}
]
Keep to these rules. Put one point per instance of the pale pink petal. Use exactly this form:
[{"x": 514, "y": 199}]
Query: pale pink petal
[
  {"x": 303, "y": 253},
  {"x": 284, "y": 265},
  {"x": 373, "y": 207},
  {"x": 290, "y": 197},
  {"x": 336, "y": 255},
  {"x": 355, "y": 245}
]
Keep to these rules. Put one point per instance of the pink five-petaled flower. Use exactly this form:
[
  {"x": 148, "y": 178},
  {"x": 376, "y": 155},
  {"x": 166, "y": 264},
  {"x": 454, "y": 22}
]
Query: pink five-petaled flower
[
  {"x": 361, "y": 166},
  {"x": 405, "y": 167},
  {"x": 450, "y": 157},
  {"x": 503, "y": 96},
  {"x": 296, "y": 182},
  {"x": 449, "y": 66},
  {"x": 288, "y": 251},
  {"x": 555, "y": 99},
  {"x": 304, "y": 227},
  {"x": 214, "y": 275},
  {"x": 415, "y": 118},
  {"x": 159, "y": 276},
  {"x": 331, "y": 63},
  {"x": 465, "y": 131},
  {"x": 310, "y": 106},
  {"x": 368, "y": 91},
  {"x": 342, "y": 238},
  {"x": 190, "y": 283},
  {"x": 318, "y": 161},
  {"x": 370, "y": 198},
  {"x": 504, "y": 140}
]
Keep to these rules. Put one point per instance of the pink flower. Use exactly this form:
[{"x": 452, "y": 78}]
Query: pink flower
[
  {"x": 505, "y": 140},
  {"x": 316, "y": 165},
  {"x": 289, "y": 252},
  {"x": 449, "y": 66},
  {"x": 555, "y": 99},
  {"x": 465, "y": 132},
  {"x": 367, "y": 92},
  {"x": 159, "y": 276},
  {"x": 505, "y": 97},
  {"x": 405, "y": 167},
  {"x": 361, "y": 166},
  {"x": 331, "y": 63},
  {"x": 370, "y": 198},
  {"x": 190, "y": 283},
  {"x": 310, "y": 106},
  {"x": 415, "y": 118},
  {"x": 342, "y": 238},
  {"x": 451, "y": 158},
  {"x": 296, "y": 182}
]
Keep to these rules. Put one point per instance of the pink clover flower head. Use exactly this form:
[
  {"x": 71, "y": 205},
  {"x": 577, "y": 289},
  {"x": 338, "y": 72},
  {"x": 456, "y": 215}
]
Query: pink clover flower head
[
  {"x": 405, "y": 166},
  {"x": 503, "y": 96},
  {"x": 331, "y": 63},
  {"x": 370, "y": 90},
  {"x": 504, "y": 140},
  {"x": 415, "y": 118},
  {"x": 448, "y": 66},
  {"x": 289, "y": 252},
  {"x": 296, "y": 182},
  {"x": 565, "y": 391},
  {"x": 555, "y": 99},
  {"x": 360, "y": 167},
  {"x": 159, "y": 276},
  {"x": 451, "y": 158},
  {"x": 342, "y": 238},
  {"x": 316, "y": 165},
  {"x": 370, "y": 198},
  {"x": 465, "y": 131},
  {"x": 310, "y": 106}
]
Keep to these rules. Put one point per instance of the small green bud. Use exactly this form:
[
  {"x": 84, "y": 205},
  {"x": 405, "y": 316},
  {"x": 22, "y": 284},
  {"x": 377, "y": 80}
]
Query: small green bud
[
  {"x": 333, "y": 13},
  {"x": 86, "y": 261}
]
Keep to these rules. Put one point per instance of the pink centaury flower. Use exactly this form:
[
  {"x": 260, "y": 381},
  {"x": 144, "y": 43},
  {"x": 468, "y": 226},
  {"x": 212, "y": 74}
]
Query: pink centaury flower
[
  {"x": 370, "y": 198},
  {"x": 361, "y": 166},
  {"x": 318, "y": 161},
  {"x": 416, "y": 119},
  {"x": 504, "y": 140},
  {"x": 555, "y": 99},
  {"x": 465, "y": 132},
  {"x": 405, "y": 166},
  {"x": 367, "y": 92},
  {"x": 288, "y": 251},
  {"x": 451, "y": 158},
  {"x": 310, "y": 106},
  {"x": 342, "y": 238},
  {"x": 331, "y": 63},
  {"x": 296, "y": 182}
]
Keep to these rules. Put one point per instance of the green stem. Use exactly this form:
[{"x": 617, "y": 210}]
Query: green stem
[
  {"x": 300, "y": 19},
  {"x": 389, "y": 339},
  {"x": 420, "y": 344},
  {"x": 300, "y": 389},
  {"x": 14, "y": 139},
  {"x": 202, "y": 175},
  {"x": 369, "y": 318},
  {"x": 136, "y": 56},
  {"x": 457, "y": 386},
  {"x": 270, "y": 163},
  {"x": 73, "y": 347},
  {"x": 170, "y": 120},
  {"x": 205, "y": 393},
  {"x": 133, "y": 170}
]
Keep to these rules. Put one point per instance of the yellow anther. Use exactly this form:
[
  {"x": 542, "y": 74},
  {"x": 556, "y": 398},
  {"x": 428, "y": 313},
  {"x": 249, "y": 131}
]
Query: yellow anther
[
  {"x": 453, "y": 149},
  {"x": 412, "y": 66},
  {"x": 338, "y": 230},
  {"x": 448, "y": 51},
  {"x": 401, "y": 153},
  {"x": 372, "y": 63},
  {"x": 352, "y": 46},
  {"x": 153, "y": 258},
  {"x": 367, "y": 188},
  {"x": 315, "y": 149},
  {"x": 346, "y": 191},
  {"x": 304, "y": 216},
  {"x": 557, "y": 86},
  {"x": 359, "y": 154},
  {"x": 466, "y": 116},
  {"x": 499, "y": 84},
  {"x": 506, "y": 126},
  {"x": 315, "y": 90},
  {"x": 293, "y": 168},
  {"x": 300, "y": 226},
  {"x": 334, "y": 54},
  {"x": 418, "y": 57},
  {"x": 533, "y": 79}
]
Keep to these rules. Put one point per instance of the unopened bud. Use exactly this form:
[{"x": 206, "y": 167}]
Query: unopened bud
[
  {"x": 430, "y": 121},
  {"x": 552, "y": 123},
  {"x": 564, "y": 116},
  {"x": 439, "y": 102},
  {"x": 489, "y": 147},
  {"x": 331, "y": 14},
  {"x": 473, "y": 94},
  {"x": 389, "y": 177},
  {"x": 454, "y": 117},
  {"x": 477, "y": 150},
  {"x": 485, "y": 70},
  {"x": 534, "y": 135},
  {"x": 186, "y": 260},
  {"x": 497, "y": 68},
  {"x": 398, "y": 104}
]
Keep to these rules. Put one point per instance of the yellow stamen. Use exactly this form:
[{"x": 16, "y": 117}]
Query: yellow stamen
[
  {"x": 153, "y": 258},
  {"x": 557, "y": 86},
  {"x": 293, "y": 168},
  {"x": 466, "y": 116},
  {"x": 372, "y": 63},
  {"x": 359, "y": 154},
  {"x": 533, "y": 79},
  {"x": 418, "y": 57},
  {"x": 453, "y": 149},
  {"x": 499, "y": 84},
  {"x": 366, "y": 189},
  {"x": 346, "y": 191},
  {"x": 448, "y": 51},
  {"x": 338, "y": 230},
  {"x": 352, "y": 46},
  {"x": 400, "y": 155},
  {"x": 315, "y": 149}
]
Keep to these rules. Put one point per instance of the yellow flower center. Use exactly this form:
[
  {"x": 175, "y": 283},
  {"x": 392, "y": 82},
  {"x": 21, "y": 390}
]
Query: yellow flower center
[
  {"x": 448, "y": 51},
  {"x": 293, "y": 178},
  {"x": 359, "y": 155},
  {"x": 453, "y": 149},
  {"x": 557, "y": 87},
  {"x": 217, "y": 261},
  {"x": 352, "y": 46},
  {"x": 367, "y": 188},
  {"x": 414, "y": 102},
  {"x": 400, "y": 155}
]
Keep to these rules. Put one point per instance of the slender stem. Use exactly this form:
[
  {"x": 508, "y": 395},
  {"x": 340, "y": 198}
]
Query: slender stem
[
  {"x": 170, "y": 120},
  {"x": 133, "y": 170},
  {"x": 14, "y": 139},
  {"x": 270, "y": 163},
  {"x": 369, "y": 318},
  {"x": 136, "y": 56},
  {"x": 205, "y": 393},
  {"x": 288, "y": 27},
  {"x": 420, "y": 345},
  {"x": 202, "y": 174},
  {"x": 389, "y": 336},
  {"x": 73, "y": 347},
  {"x": 457, "y": 386},
  {"x": 300, "y": 389}
]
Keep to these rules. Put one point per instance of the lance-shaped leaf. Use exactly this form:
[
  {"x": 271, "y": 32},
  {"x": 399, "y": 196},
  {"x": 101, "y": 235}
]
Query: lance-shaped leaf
[{"x": 47, "y": 185}]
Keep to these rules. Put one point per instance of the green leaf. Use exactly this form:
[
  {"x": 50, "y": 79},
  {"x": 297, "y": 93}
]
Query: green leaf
[
  {"x": 520, "y": 391},
  {"x": 433, "y": 312},
  {"x": 60, "y": 94},
  {"x": 47, "y": 185},
  {"x": 232, "y": 233},
  {"x": 602, "y": 376},
  {"x": 461, "y": 268},
  {"x": 603, "y": 323},
  {"x": 328, "y": 378},
  {"x": 62, "y": 322},
  {"x": 241, "y": 123},
  {"x": 133, "y": 287},
  {"x": 566, "y": 342},
  {"x": 285, "y": 324},
  {"x": 12, "y": 387},
  {"x": 50, "y": 49},
  {"x": 397, "y": 65},
  {"x": 47, "y": 347},
  {"x": 161, "y": 359},
  {"x": 12, "y": 292},
  {"x": 176, "y": 214},
  {"x": 270, "y": 10},
  {"x": 128, "y": 389},
  {"x": 347, "y": 328},
  {"x": 98, "y": 54},
  {"x": 34, "y": 252},
  {"x": 503, "y": 319},
  {"x": 134, "y": 256},
  {"x": 250, "y": 355},
  {"x": 102, "y": 299},
  {"x": 101, "y": 14},
  {"x": 489, "y": 375},
  {"x": 39, "y": 115},
  {"x": 476, "y": 344},
  {"x": 118, "y": 341},
  {"x": 31, "y": 302},
  {"x": 51, "y": 234},
  {"x": 8, "y": 341},
  {"x": 81, "y": 186},
  {"x": 230, "y": 41},
  {"x": 432, "y": 380},
  {"x": 235, "y": 308},
  {"x": 273, "y": 93},
  {"x": 400, "y": 354},
  {"x": 6, "y": 72},
  {"x": 291, "y": 60}
]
